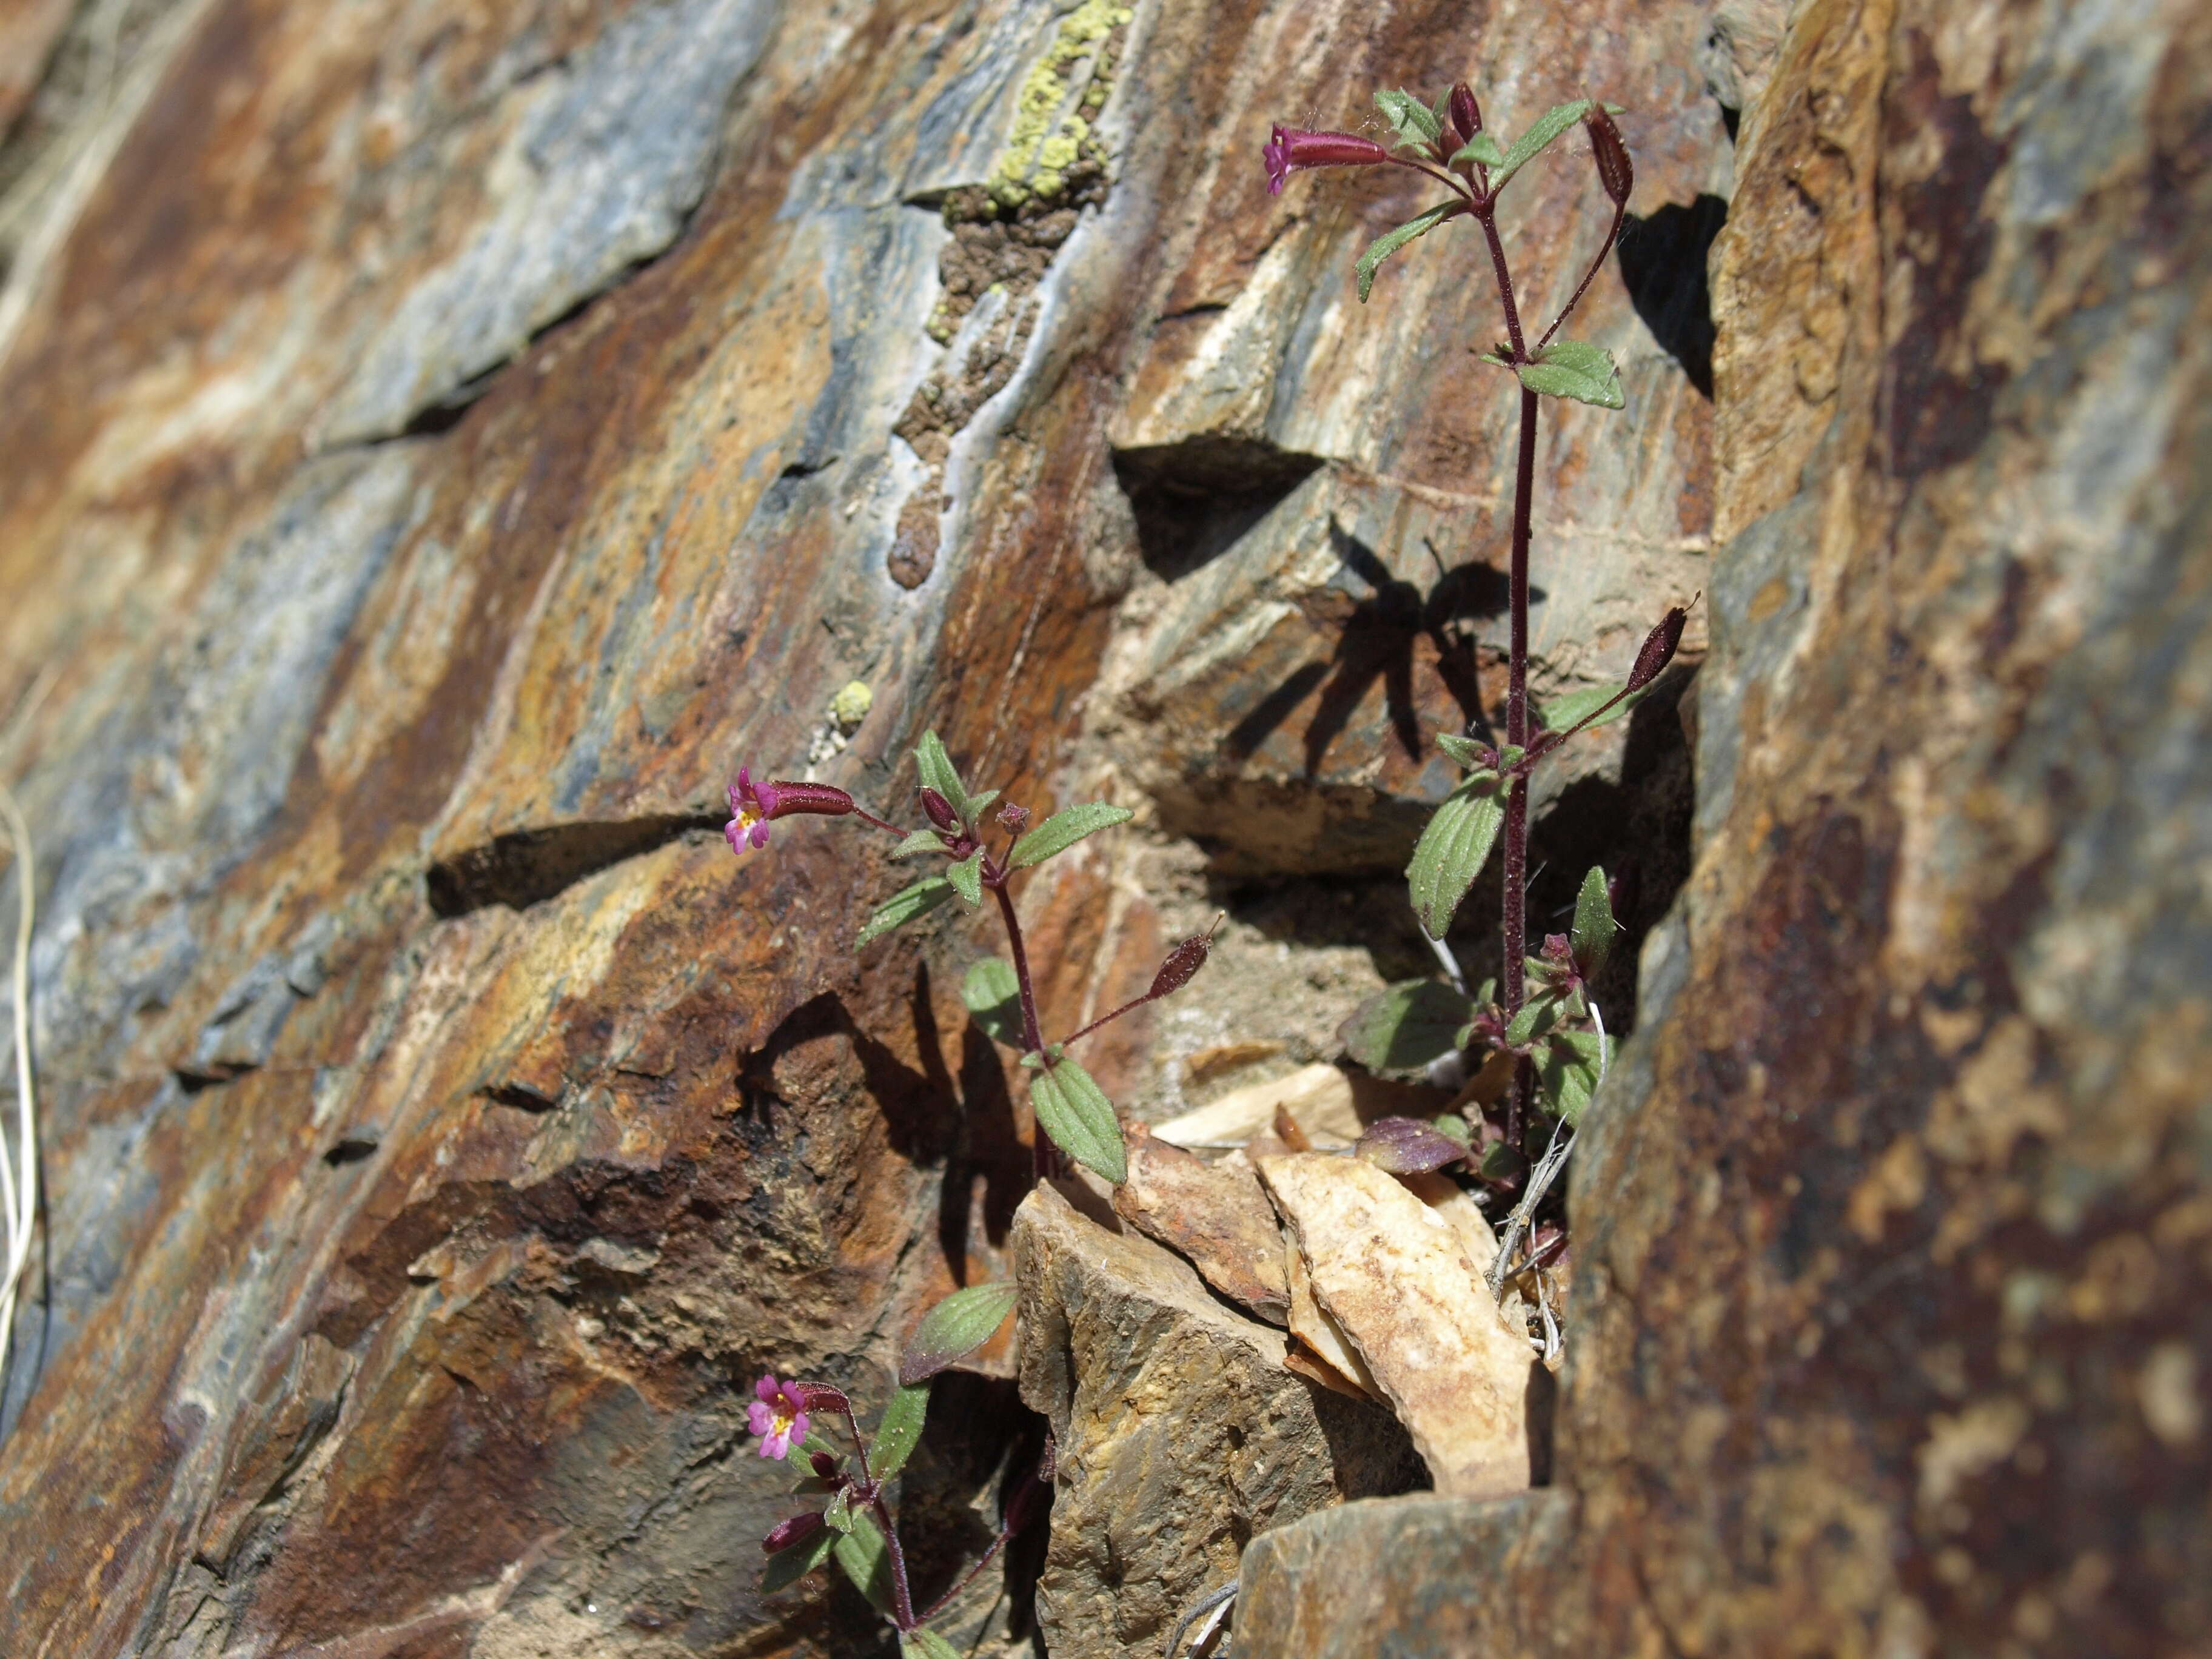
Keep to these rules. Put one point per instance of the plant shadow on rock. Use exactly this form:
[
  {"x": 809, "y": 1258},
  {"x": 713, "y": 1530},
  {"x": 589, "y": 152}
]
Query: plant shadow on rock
[
  {"x": 1663, "y": 267},
  {"x": 1193, "y": 500},
  {"x": 1377, "y": 643},
  {"x": 979, "y": 1436},
  {"x": 965, "y": 1125}
]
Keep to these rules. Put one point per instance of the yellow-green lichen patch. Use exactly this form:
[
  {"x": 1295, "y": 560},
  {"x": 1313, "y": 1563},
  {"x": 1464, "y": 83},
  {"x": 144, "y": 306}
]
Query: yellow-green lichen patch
[{"x": 1058, "y": 101}]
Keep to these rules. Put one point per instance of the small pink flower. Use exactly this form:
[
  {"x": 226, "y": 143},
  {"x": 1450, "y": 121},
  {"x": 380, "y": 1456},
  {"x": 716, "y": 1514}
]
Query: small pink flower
[
  {"x": 1289, "y": 150},
  {"x": 753, "y": 804},
  {"x": 778, "y": 1416}
]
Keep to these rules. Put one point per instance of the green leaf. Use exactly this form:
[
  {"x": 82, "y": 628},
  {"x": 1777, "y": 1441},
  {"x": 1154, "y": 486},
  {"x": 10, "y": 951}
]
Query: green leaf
[
  {"x": 937, "y": 772},
  {"x": 1482, "y": 148},
  {"x": 1063, "y": 829},
  {"x": 838, "y": 1513},
  {"x": 1452, "y": 1126},
  {"x": 922, "y": 840},
  {"x": 993, "y": 996},
  {"x": 1573, "y": 368},
  {"x": 904, "y": 906},
  {"x": 978, "y": 803},
  {"x": 1413, "y": 121},
  {"x": 1391, "y": 240},
  {"x": 1075, "y": 1112},
  {"x": 900, "y": 1432},
  {"x": 1533, "y": 143},
  {"x": 1567, "y": 1075},
  {"x": 955, "y": 1327},
  {"x": 967, "y": 878},
  {"x": 1453, "y": 848},
  {"x": 866, "y": 1557},
  {"x": 926, "y": 1644},
  {"x": 789, "y": 1566},
  {"x": 1568, "y": 711},
  {"x": 1534, "y": 1019},
  {"x": 1405, "y": 1027},
  {"x": 1592, "y": 933},
  {"x": 1465, "y": 751}
]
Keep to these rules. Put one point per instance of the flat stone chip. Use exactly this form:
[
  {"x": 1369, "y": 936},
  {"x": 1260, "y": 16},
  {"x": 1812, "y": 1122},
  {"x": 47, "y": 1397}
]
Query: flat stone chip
[
  {"x": 1214, "y": 1215},
  {"x": 1405, "y": 1292}
]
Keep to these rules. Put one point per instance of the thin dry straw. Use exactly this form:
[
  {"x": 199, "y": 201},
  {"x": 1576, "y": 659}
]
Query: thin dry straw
[{"x": 19, "y": 1165}]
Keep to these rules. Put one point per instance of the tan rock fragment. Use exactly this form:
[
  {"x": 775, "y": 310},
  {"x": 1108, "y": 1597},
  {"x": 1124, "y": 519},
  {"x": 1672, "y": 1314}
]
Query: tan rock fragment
[
  {"x": 1322, "y": 1337},
  {"x": 1405, "y": 1293},
  {"x": 1318, "y": 1097},
  {"x": 1214, "y": 1215},
  {"x": 1453, "y": 1205}
]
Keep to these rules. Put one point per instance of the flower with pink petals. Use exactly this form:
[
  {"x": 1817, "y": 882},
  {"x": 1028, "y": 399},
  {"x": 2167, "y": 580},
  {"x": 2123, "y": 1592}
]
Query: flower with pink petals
[
  {"x": 753, "y": 804},
  {"x": 779, "y": 1417},
  {"x": 1290, "y": 150}
]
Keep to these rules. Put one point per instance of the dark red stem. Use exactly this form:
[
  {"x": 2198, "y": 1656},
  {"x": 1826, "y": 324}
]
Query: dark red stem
[
  {"x": 863, "y": 812},
  {"x": 1597, "y": 264},
  {"x": 1487, "y": 213},
  {"x": 1517, "y": 735},
  {"x": 968, "y": 1577},
  {"x": 901, "y": 1598}
]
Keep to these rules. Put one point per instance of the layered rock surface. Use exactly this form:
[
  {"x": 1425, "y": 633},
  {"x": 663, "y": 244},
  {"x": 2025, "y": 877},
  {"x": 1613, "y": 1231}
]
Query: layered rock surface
[{"x": 442, "y": 443}]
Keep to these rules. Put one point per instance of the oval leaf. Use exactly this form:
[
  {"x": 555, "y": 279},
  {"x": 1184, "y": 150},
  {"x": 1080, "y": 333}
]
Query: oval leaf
[
  {"x": 1075, "y": 1112},
  {"x": 1465, "y": 751},
  {"x": 993, "y": 996},
  {"x": 1405, "y": 1027},
  {"x": 955, "y": 1329},
  {"x": 922, "y": 840},
  {"x": 1405, "y": 1146},
  {"x": 1063, "y": 829},
  {"x": 1453, "y": 848},
  {"x": 1481, "y": 149},
  {"x": 866, "y": 1559},
  {"x": 1391, "y": 240},
  {"x": 904, "y": 906},
  {"x": 1569, "y": 369},
  {"x": 967, "y": 878},
  {"x": 898, "y": 1434},
  {"x": 919, "y": 1644},
  {"x": 789, "y": 1565},
  {"x": 1413, "y": 121},
  {"x": 1592, "y": 935},
  {"x": 1576, "y": 707},
  {"x": 1567, "y": 1075},
  {"x": 1531, "y": 144},
  {"x": 937, "y": 772}
]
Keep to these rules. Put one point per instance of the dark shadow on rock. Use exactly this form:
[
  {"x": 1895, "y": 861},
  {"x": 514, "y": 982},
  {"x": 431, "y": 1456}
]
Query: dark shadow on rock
[
  {"x": 1373, "y": 1455},
  {"x": 1193, "y": 500},
  {"x": 527, "y": 866},
  {"x": 978, "y": 1434},
  {"x": 1662, "y": 265},
  {"x": 1376, "y": 642}
]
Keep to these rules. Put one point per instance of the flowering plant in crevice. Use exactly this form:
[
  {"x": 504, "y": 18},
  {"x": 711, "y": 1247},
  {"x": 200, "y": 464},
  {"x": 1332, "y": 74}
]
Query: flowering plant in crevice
[
  {"x": 1072, "y": 1112},
  {"x": 1533, "y": 1039},
  {"x": 854, "y": 1524}
]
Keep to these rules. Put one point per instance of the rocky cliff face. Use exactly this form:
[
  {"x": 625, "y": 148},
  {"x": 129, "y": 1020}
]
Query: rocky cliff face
[{"x": 442, "y": 442}]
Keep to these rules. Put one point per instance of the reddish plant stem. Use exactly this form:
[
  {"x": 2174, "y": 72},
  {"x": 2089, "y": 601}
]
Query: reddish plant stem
[
  {"x": 968, "y": 1577},
  {"x": 1597, "y": 264},
  {"x": 1044, "y": 1160},
  {"x": 901, "y": 1598},
  {"x": 1516, "y": 907},
  {"x": 1486, "y": 213}
]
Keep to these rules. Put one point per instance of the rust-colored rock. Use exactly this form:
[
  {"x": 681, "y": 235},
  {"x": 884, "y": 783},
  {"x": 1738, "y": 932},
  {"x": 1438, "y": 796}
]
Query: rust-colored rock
[{"x": 1214, "y": 1215}]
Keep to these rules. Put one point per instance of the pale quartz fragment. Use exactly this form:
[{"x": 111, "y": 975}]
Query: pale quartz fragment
[
  {"x": 1312, "y": 1324},
  {"x": 1454, "y": 1206},
  {"x": 1319, "y": 1097},
  {"x": 1405, "y": 1292}
]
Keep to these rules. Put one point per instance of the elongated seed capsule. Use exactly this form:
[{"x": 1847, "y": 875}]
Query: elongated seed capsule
[
  {"x": 939, "y": 808},
  {"x": 1183, "y": 963},
  {"x": 1658, "y": 649},
  {"x": 1615, "y": 170},
  {"x": 1466, "y": 114}
]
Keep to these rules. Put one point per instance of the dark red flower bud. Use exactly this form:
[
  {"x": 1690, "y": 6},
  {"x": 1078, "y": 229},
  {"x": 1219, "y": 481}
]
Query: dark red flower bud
[
  {"x": 824, "y": 1465},
  {"x": 1466, "y": 114},
  {"x": 939, "y": 809},
  {"x": 820, "y": 1397},
  {"x": 1615, "y": 170},
  {"x": 1658, "y": 648},
  {"x": 1181, "y": 966},
  {"x": 1288, "y": 151},
  {"x": 797, "y": 1530},
  {"x": 1013, "y": 819}
]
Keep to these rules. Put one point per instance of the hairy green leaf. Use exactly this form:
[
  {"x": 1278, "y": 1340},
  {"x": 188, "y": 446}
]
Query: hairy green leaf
[
  {"x": 1564, "y": 713},
  {"x": 867, "y": 1559},
  {"x": 967, "y": 878},
  {"x": 1405, "y": 1027},
  {"x": 1536, "y": 1016},
  {"x": 1567, "y": 1073},
  {"x": 1465, "y": 751},
  {"x": 1453, "y": 848},
  {"x": 1391, "y": 240},
  {"x": 789, "y": 1566},
  {"x": 1483, "y": 148},
  {"x": 904, "y": 906},
  {"x": 1572, "y": 368},
  {"x": 900, "y": 1432},
  {"x": 1531, "y": 144},
  {"x": 1074, "y": 1111},
  {"x": 1592, "y": 935},
  {"x": 838, "y": 1513},
  {"x": 1063, "y": 829},
  {"x": 955, "y": 1327},
  {"x": 993, "y": 996},
  {"x": 1413, "y": 121},
  {"x": 922, "y": 840},
  {"x": 920, "y": 1644}
]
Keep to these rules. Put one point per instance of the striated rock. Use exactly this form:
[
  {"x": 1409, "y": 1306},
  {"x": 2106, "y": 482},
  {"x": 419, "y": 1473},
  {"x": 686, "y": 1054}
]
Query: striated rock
[
  {"x": 1214, "y": 1215},
  {"x": 1180, "y": 1435},
  {"x": 1395, "y": 1280}
]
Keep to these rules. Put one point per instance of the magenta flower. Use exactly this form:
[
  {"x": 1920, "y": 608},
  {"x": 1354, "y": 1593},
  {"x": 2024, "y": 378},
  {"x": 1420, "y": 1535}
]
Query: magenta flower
[
  {"x": 779, "y": 1417},
  {"x": 1291, "y": 151},
  {"x": 753, "y": 804}
]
